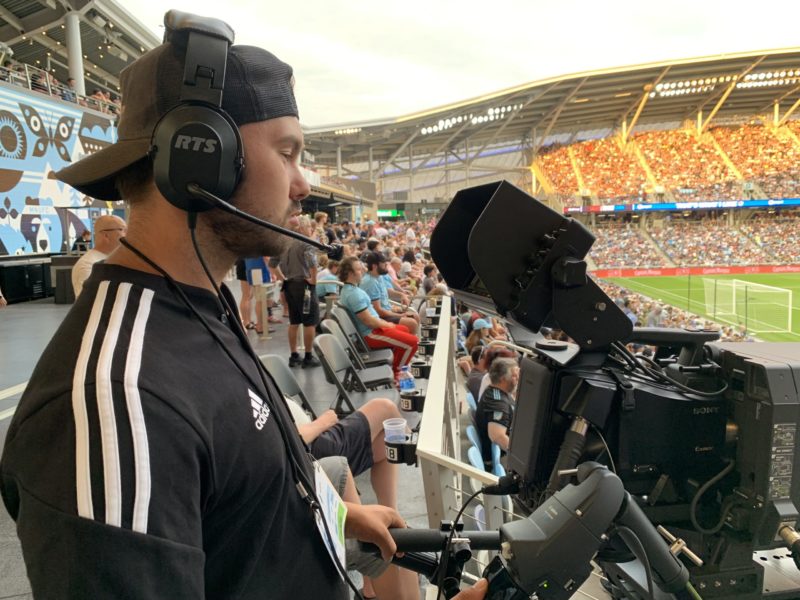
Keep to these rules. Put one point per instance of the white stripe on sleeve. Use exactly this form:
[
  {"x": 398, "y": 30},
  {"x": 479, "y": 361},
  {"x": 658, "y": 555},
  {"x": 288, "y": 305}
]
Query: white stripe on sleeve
[
  {"x": 105, "y": 410},
  {"x": 141, "y": 450},
  {"x": 83, "y": 481}
]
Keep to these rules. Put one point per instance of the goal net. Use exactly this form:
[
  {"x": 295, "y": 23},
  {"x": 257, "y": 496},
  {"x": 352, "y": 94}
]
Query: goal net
[{"x": 759, "y": 308}]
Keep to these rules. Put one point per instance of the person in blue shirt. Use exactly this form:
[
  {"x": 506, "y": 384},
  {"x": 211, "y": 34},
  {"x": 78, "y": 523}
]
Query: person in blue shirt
[
  {"x": 377, "y": 332},
  {"x": 330, "y": 270},
  {"x": 375, "y": 287}
]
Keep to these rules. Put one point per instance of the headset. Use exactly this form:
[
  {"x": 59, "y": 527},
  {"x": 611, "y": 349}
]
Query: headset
[{"x": 196, "y": 147}]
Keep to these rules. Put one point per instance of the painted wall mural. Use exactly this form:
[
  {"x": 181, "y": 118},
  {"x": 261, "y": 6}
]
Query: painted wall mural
[{"x": 40, "y": 135}]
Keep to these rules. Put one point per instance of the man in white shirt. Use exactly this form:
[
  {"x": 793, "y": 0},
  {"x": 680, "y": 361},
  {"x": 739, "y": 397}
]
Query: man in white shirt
[{"x": 108, "y": 229}]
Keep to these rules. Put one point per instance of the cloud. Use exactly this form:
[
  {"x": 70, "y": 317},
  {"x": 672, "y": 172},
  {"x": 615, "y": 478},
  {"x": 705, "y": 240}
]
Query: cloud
[{"x": 361, "y": 59}]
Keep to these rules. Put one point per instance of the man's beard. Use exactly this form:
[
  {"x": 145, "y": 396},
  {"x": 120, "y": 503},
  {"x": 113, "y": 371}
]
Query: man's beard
[
  {"x": 383, "y": 271},
  {"x": 244, "y": 239}
]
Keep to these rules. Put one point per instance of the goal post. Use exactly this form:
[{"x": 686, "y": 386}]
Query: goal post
[
  {"x": 765, "y": 308},
  {"x": 720, "y": 301},
  {"x": 758, "y": 307}
]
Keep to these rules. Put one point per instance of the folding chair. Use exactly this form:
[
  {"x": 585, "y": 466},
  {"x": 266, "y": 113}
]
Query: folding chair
[
  {"x": 280, "y": 371},
  {"x": 347, "y": 323},
  {"x": 351, "y": 390},
  {"x": 471, "y": 401},
  {"x": 362, "y": 361}
]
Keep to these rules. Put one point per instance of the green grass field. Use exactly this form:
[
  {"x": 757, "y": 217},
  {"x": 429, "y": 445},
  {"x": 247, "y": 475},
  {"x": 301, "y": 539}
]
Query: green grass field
[{"x": 689, "y": 293}]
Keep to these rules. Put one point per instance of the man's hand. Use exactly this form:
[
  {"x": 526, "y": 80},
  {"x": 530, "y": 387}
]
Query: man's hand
[
  {"x": 476, "y": 592},
  {"x": 328, "y": 419},
  {"x": 371, "y": 523},
  {"x": 3, "y": 302}
]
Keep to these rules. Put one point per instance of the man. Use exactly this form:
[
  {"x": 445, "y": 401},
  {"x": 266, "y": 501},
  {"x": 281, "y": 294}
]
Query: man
[
  {"x": 150, "y": 455},
  {"x": 359, "y": 437},
  {"x": 298, "y": 263},
  {"x": 69, "y": 93},
  {"x": 108, "y": 230},
  {"x": 429, "y": 281},
  {"x": 496, "y": 408},
  {"x": 3, "y": 301},
  {"x": 83, "y": 243},
  {"x": 377, "y": 332},
  {"x": 375, "y": 287},
  {"x": 655, "y": 318}
]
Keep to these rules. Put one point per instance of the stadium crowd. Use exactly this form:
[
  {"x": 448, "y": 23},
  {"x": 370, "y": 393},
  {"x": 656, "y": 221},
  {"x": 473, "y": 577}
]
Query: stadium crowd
[
  {"x": 624, "y": 246},
  {"x": 685, "y": 166},
  {"x": 777, "y": 236},
  {"x": 609, "y": 171},
  {"x": 761, "y": 240}
]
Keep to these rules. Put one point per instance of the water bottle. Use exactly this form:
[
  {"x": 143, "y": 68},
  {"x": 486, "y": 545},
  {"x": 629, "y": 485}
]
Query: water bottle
[
  {"x": 406, "y": 379},
  {"x": 307, "y": 302}
]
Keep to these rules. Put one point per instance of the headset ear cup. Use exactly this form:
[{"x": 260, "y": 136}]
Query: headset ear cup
[{"x": 196, "y": 143}]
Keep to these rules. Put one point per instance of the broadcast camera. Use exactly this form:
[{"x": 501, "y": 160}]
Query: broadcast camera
[{"x": 702, "y": 435}]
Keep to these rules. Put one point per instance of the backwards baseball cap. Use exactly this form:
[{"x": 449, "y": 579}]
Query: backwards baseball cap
[
  {"x": 375, "y": 258},
  {"x": 258, "y": 87}
]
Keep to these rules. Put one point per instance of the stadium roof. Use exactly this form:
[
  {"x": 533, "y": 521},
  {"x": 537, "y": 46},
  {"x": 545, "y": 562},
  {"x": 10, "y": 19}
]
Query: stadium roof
[
  {"x": 719, "y": 87},
  {"x": 111, "y": 37}
]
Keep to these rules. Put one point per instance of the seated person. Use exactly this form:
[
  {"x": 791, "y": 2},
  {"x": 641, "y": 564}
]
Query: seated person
[
  {"x": 490, "y": 354},
  {"x": 359, "y": 438},
  {"x": 329, "y": 272},
  {"x": 377, "y": 332},
  {"x": 481, "y": 334},
  {"x": 429, "y": 281},
  {"x": 373, "y": 284},
  {"x": 496, "y": 408},
  {"x": 476, "y": 372}
]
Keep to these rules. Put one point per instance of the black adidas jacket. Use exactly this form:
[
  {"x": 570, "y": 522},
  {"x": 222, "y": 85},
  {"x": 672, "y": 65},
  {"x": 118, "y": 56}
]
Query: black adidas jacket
[{"x": 141, "y": 463}]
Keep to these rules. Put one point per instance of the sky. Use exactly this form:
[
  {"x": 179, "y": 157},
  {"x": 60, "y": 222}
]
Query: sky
[{"x": 360, "y": 60}]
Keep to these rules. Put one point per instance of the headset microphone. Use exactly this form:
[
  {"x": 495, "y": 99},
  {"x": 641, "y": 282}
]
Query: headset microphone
[{"x": 334, "y": 251}]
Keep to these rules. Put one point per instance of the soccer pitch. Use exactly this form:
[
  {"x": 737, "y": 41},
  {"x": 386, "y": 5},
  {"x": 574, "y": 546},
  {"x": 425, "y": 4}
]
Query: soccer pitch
[{"x": 689, "y": 293}]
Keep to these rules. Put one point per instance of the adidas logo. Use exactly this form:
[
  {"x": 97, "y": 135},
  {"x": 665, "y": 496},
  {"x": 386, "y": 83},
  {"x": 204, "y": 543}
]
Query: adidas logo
[{"x": 260, "y": 409}]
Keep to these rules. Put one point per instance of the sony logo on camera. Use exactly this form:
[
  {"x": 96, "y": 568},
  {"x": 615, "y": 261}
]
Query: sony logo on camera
[
  {"x": 705, "y": 410},
  {"x": 196, "y": 144}
]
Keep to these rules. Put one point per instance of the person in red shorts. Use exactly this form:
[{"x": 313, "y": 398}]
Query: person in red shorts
[{"x": 377, "y": 332}]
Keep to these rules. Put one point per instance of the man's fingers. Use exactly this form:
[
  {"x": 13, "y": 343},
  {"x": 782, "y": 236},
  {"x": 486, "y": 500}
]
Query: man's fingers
[
  {"x": 387, "y": 545},
  {"x": 476, "y": 592}
]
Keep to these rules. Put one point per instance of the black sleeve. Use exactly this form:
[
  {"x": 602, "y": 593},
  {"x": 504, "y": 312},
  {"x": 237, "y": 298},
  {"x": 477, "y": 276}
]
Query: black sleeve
[
  {"x": 497, "y": 411},
  {"x": 71, "y": 554}
]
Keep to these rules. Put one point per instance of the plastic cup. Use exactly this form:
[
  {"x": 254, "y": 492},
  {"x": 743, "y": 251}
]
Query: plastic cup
[{"x": 394, "y": 430}]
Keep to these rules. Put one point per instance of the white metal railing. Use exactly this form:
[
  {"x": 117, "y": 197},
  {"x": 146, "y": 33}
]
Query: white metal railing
[
  {"x": 40, "y": 80},
  {"x": 447, "y": 479}
]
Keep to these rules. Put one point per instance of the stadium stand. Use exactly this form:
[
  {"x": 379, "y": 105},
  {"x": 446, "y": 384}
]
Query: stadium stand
[
  {"x": 715, "y": 166},
  {"x": 609, "y": 171},
  {"x": 556, "y": 164},
  {"x": 682, "y": 165},
  {"x": 624, "y": 246},
  {"x": 777, "y": 236}
]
